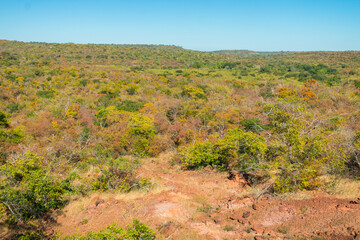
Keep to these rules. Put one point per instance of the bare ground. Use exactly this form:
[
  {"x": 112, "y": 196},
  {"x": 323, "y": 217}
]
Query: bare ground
[{"x": 207, "y": 205}]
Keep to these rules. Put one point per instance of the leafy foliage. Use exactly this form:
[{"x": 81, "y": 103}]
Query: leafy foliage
[
  {"x": 27, "y": 191},
  {"x": 136, "y": 231},
  {"x": 4, "y": 122}
]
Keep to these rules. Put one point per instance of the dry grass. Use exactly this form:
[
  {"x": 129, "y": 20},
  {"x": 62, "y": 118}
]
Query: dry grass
[{"x": 345, "y": 188}]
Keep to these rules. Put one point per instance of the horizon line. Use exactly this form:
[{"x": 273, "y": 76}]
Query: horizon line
[{"x": 173, "y": 45}]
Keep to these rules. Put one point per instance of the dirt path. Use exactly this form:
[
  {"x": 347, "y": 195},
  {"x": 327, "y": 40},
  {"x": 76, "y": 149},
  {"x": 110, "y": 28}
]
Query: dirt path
[{"x": 206, "y": 205}]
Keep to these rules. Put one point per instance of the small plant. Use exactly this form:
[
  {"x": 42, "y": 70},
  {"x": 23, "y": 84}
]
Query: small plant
[
  {"x": 135, "y": 231},
  {"x": 84, "y": 221},
  {"x": 205, "y": 209},
  {"x": 304, "y": 210},
  {"x": 229, "y": 228},
  {"x": 283, "y": 229}
]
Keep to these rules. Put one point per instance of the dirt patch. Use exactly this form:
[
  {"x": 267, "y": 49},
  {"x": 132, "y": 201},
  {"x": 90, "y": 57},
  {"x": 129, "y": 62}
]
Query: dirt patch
[{"x": 207, "y": 205}]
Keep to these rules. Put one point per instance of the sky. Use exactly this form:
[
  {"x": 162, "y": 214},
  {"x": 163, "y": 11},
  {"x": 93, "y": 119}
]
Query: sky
[{"x": 205, "y": 25}]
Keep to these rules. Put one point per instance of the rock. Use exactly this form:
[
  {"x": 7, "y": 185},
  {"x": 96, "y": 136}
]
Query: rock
[
  {"x": 100, "y": 201},
  {"x": 246, "y": 214},
  {"x": 269, "y": 232},
  {"x": 239, "y": 178},
  {"x": 208, "y": 168},
  {"x": 167, "y": 228},
  {"x": 257, "y": 229}
]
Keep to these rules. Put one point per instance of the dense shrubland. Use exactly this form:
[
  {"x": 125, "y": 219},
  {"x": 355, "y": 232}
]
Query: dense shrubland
[{"x": 79, "y": 118}]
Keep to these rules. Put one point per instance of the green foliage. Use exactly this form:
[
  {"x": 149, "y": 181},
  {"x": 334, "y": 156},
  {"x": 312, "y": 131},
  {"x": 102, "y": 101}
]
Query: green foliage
[
  {"x": 46, "y": 94},
  {"x": 83, "y": 82},
  {"x": 194, "y": 92},
  {"x": 4, "y": 121},
  {"x": 130, "y": 106},
  {"x": 297, "y": 176},
  {"x": 116, "y": 174},
  {"x": 142, "y": 125},
  {"x": 136, "y": 231},
  {"x": 253, "y": 124},
  {"x": 102, "y": 117},
  {"x": 333, "y": 81},
  {"x": 107, "y": 99},
  {"x": 27, "y": 190},
  {"x": 357, "y": 84},
  {"x": 14, "y": 135},
  {"x": 107, "y": 116},
  {"x": 31, "y": 235},
  {"x": 141, "y": 130},
  {"x": 202, "y": 154},
  {"x": 7, "y": 59},
  {"x": 246, "y": 148},
  {"x": 13, "y": 108}
]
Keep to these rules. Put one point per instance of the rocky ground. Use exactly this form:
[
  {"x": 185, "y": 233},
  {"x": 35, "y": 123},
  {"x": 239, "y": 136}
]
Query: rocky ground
[{"x": 207, "y": 205}]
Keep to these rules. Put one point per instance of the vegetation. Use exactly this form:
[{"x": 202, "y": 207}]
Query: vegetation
[
  {"x": 78, "y": 118},
  {"x": 136, "y": 231}
]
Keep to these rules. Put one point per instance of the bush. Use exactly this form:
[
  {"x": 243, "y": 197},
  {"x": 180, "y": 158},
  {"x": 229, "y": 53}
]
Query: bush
[
  {"x": 135, "y": 231},
  {"x": 14, "y": 135},
  {"x": 130, "y": 106},
  {"x": 194, "y": 92},
  {"x": 294, "y": 177},
  {"x": 246, "y": 148},
  {"x": 202, "y": 154},
  {"x": 27, "y": 191},
  {"x": 249, "y": 148},
  {"x": 46, "y": 94},
  {"x": 119, "y": 174},
  {"x": 107, "y": 116},
  {"x": 357, "y": 84},
  {"x": 4, "y": 122},
  {"x": 253, "y": 124},
  {"x": 13, "y": 108}
]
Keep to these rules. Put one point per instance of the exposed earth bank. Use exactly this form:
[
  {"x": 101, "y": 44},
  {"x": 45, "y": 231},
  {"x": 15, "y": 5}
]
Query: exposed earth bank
[{"x": 207, "y": 205}]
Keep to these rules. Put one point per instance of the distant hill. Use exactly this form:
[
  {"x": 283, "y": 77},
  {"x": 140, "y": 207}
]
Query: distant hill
[
  {"x": 118, "y": 54},
  {"x": 237, "y": 53}
]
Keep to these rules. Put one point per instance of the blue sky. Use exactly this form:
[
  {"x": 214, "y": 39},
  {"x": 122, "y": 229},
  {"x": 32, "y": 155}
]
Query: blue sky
[{"x": 260, "y": 25}]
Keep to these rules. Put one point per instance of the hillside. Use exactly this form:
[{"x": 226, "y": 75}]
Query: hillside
[{"x": 193, "y": 144}]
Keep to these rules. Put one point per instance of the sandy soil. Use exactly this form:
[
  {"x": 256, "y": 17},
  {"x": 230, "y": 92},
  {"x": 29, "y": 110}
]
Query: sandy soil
[{"x": 207, "y": 205}]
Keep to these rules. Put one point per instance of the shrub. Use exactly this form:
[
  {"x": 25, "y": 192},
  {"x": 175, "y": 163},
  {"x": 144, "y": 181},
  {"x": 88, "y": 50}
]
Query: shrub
[
  {"x": 14, "y": 135},
  {"x": 46, "y": 94},
  {"x": 202, "y": 154},
  {"x": 252, "y": 124},
  {"x": 130, "y": 106},
  {"x": 27, "y": 190},
  {"x": 297, "y": 176},
  {"x": 333, "y": 81},
  {"x": 357, "y": 84},
  {"x": 4, "y": 122},
  {"x": 135, "y": 231},
  {"x": 286, "y": 93},
  {"x": 119, "y": 174},
  {"x": 14, "y": 107},
  {"x": 141, "y": 125},
  {"x": 247, "y": 148},
  {"x": 194, "y": 92},
  {"x": 108, "y": 116}
]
